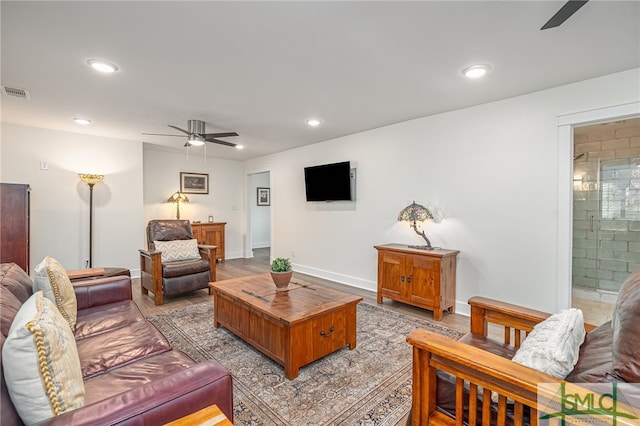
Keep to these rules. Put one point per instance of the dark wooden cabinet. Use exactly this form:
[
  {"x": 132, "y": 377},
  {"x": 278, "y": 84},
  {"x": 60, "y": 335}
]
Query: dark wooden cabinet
[
  {"x": 14, "y": 224},
  {"x": 423, "y": 278},
  {"x": 211, "y": 234}
]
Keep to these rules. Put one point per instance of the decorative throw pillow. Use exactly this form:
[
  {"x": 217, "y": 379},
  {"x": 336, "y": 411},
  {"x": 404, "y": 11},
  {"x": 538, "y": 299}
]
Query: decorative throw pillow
[
  {"x": 178, "y": 250},
  {"x": 552, "y": 346},
  {"x": 52, "y": 279},
  {"x": 40, "y": 362}
]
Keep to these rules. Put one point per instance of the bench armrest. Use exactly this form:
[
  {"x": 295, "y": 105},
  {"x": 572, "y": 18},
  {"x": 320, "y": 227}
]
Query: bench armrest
[{"x": 516, "y": 320}]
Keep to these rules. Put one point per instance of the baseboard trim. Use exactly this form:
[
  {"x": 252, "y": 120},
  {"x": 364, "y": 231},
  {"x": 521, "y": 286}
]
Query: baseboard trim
[
  {"x": 461, "y": 307},
  {"x": 339, "y": 278}
]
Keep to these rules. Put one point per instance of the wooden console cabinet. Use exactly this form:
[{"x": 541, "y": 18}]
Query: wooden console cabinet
[
  {"x": 14, "y": 224},
  {"x": 423, "y": 278},
  {"x": 211, "y": 234}
]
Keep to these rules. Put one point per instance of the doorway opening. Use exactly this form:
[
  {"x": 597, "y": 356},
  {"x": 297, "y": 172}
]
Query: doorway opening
[{"x": 258, "y": 241}]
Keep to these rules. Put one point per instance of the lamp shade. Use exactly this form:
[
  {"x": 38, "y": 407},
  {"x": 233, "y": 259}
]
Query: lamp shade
[
  {"x": 415, "y": 213},
  {"x": 178, "y": 197},
  {"x": 90, "y": 179}
]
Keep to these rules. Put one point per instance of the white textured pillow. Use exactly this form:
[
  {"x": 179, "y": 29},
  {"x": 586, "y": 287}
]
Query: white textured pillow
[
  {"x": 40, "y": 362},
  {"x": 178, "y": 250},
  {"x": 52, "y": 279},
  {"x": 552, "y": 346}
]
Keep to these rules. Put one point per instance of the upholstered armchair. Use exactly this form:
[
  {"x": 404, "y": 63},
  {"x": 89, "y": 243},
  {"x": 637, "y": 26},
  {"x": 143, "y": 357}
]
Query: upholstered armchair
[{"x": 174, "y": 263}]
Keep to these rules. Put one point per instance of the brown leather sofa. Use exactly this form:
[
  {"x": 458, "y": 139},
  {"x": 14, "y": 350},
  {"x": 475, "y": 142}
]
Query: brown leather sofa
[
  {"x": 175, "y": 277},
  {"x": 131, "y": 374},
  {"x": 473, "y": 380}
]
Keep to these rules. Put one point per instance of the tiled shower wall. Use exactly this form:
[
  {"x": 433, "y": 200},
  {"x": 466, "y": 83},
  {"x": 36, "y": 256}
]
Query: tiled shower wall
[{"x": 606, "y": 188}]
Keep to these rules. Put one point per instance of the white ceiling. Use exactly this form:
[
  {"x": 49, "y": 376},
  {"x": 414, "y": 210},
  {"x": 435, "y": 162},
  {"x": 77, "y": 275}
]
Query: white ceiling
[{"x": 262, "y": 68}]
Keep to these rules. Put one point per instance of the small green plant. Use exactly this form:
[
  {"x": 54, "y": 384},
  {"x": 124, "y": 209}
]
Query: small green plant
[{"x": 280, "y": 264}]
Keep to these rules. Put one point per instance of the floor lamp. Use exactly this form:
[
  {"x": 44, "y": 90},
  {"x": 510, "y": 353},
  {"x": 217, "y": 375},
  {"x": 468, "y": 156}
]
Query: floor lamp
[{"x": 90, "y": 180}]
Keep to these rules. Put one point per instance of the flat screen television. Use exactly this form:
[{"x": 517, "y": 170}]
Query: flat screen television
[{"x": 328, "y": 182}]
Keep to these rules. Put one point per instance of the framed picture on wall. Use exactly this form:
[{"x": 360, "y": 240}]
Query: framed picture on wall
[
  {"x": 264, "y": 196},
  {"x": 194, "y": 183}
]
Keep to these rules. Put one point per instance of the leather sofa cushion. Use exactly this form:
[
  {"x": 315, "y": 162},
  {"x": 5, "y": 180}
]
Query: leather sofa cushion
[
  {"x": 626, "y": 336},
  {"x": 184, "y": 267},
  {"x": 595, "y": 363},
  {"x": 135, "y": 374},
  {"x": 118, "y": 347},
  {"x": 9, "y": 307},
  {"x": 16, "y": 280},
  {"x": 105, "y": 318}
]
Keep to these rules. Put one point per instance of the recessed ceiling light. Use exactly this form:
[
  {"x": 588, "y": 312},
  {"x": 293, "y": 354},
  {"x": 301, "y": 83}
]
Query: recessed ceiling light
[
  {"x": 82, "y": 121},
  {"x": 313, "y": 122},
  {"x": 239, "y": 146},
  {"x": 102, "y": 66},
  {"x": 476, "y": 71}
]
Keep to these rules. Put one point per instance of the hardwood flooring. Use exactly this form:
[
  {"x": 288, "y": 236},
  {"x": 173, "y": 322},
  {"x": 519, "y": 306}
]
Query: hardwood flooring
[{"x": 259, "y": 264}]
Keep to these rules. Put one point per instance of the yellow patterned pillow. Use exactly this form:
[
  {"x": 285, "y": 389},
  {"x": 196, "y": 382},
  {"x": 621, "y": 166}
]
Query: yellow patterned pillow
[
  {"x": 40, "y": 362},
  {"x": 52, "y": 279}
]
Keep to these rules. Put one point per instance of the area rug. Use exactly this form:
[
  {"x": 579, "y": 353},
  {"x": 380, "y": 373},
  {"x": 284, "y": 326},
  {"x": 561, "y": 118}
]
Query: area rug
[{"x": 370, "y": 385}]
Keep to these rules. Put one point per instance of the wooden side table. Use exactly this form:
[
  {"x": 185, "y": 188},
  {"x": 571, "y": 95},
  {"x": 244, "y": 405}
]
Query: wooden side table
[{"x": 209, "y": 416}]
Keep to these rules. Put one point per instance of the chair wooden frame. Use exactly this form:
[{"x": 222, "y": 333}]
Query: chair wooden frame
[
  {"x": 151, "y": 270},
  {"x": 481, "y": 372}
]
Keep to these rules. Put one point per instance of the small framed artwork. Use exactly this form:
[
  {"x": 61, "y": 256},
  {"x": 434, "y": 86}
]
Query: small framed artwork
[
  {"x": 194, "y": 183},
  {"x": 264, "y": 196}
]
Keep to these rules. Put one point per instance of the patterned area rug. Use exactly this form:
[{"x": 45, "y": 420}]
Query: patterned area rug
[{"x": 370, "y": 385}]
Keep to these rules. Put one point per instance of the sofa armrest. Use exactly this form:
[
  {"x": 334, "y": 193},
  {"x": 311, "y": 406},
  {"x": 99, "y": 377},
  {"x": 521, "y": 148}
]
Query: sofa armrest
[
  {"x": 159, "y": 402},
  {"x": 483, "y": 381},
  {"x": 102, "y": 291}
]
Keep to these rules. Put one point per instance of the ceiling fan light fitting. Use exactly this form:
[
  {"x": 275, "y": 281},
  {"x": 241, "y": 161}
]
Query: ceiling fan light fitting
[
  {"x": 476, "y": 71},
  {"x": 242, "y": 147},
  {"x": 196, "y": 140}
]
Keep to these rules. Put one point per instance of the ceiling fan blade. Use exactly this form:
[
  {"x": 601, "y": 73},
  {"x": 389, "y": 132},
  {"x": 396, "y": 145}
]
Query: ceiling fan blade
[
  {"x": 564, "y": 13},
  {"x": 213, "y": 140},
  {"x": 219, "y": 135},
  {"x": 178, "y": 128},
  {"x": 163, "y": 134},
  {"x": 187, "y": 143}
]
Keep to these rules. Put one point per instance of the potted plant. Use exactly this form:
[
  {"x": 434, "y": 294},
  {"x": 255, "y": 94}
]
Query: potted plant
[{"x": 281, "y": 272}]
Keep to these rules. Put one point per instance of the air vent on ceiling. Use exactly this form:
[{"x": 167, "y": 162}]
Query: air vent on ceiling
[{"x": 16, "y": 92}]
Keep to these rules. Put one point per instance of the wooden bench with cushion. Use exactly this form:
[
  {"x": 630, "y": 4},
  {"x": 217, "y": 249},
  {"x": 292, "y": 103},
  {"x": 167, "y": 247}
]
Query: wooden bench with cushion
[{"x": 474, "y": 381}]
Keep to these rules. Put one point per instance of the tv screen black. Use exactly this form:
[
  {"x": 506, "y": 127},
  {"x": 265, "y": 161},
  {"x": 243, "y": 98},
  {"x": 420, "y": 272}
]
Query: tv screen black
[{"x": 328, "y": 182}]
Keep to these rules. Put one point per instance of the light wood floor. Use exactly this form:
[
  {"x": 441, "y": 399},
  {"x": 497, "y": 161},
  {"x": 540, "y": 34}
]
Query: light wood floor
[{"x": 259, "y": 264}]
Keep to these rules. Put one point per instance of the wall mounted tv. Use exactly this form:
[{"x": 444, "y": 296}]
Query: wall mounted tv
[{"x": 328, "y": 182}]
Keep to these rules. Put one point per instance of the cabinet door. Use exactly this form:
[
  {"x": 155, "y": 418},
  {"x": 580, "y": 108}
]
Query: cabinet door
[
  {"x": 197, "y": 233},
  {"x": 391, "y": 275},
  {"x": 425, "y": 281}
]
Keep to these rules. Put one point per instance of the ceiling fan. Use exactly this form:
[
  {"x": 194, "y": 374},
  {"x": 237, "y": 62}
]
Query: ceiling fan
[
  {"x": 565, "y": 12},
  {"x": 196, "y": 135}
]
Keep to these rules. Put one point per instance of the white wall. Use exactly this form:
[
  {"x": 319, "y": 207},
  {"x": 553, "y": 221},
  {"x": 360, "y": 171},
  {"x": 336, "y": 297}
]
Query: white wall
[
  {"x": 260, "y": 215},
  {"x": 490, "y": 171},
  {"x": 224, "y": 201},
  {"x": 60, "y": 201}
]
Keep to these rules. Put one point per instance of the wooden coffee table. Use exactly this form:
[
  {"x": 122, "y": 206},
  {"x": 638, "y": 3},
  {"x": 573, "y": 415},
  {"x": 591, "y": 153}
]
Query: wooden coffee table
[{"x": 293, "y": 327}]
